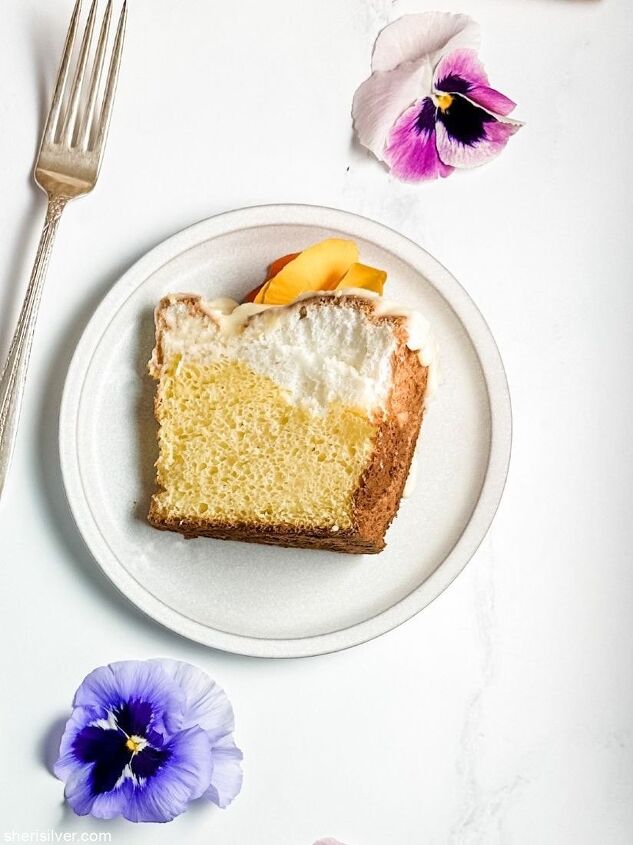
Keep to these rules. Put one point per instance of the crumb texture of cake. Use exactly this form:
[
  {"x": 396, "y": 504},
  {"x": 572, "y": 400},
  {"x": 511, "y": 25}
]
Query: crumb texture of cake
[
  {"x": 235, "y": 450},
  {"x": 293, "y": 425}
]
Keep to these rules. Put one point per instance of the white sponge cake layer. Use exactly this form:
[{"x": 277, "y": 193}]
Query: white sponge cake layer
[{"x": 317, "y": 355}]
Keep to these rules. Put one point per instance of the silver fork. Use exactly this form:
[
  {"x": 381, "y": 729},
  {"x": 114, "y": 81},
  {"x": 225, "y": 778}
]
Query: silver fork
[{"x": 67, "y": 167}]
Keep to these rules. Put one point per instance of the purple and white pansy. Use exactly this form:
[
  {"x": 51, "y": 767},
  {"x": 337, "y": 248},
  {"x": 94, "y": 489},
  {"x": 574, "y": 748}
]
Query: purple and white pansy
[
  {"x": 428, "y": 107},
  {"x": 146, "y": 738}
]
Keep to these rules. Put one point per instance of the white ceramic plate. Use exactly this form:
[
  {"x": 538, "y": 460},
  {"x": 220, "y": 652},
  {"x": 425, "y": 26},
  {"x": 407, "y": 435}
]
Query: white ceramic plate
[{"x": 262, "y": 600}]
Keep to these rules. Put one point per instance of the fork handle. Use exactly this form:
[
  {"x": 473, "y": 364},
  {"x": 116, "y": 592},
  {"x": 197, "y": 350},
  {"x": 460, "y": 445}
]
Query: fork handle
[{"x": 13, "y": 377}]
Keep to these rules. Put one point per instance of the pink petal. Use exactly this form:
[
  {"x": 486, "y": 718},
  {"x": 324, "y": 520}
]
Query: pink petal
[
  {"x": 423, "y": 36},
  {"x": 497, "y": 134},
  {"x": 462, "y": 63},
  {"x": 328, "y": 841},
  {"x": 461, "y": 72},
  {"x": 491, "y": 100},
  {"x": 382, "y": 98},
  {"x": 411, "y": 152}
]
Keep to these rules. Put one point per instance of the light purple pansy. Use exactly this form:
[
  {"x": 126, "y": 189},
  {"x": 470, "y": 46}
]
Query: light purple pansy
[
  {"x": 145, "y": 738},
  {"x": 428, "y": 107}
]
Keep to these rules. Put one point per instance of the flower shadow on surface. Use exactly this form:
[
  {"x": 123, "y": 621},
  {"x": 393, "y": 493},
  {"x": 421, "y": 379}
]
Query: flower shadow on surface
[{"x": 48, "y": 749}]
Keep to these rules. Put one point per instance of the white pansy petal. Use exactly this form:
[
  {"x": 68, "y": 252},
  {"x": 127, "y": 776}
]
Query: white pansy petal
[
  {"x": 428, "y": 35},
  {"x": 382, "y": 98}
]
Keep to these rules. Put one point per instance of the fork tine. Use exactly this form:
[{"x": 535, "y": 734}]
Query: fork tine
[
  {"x": 73, "y": 103},
  {"x": 113, "y": 73},
  {"x": 53, "y": 114},
  {"x": 97, "y": 68}
]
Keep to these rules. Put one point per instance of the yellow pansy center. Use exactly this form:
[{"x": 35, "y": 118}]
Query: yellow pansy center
[
  {"x": 135, "y": 743},
  {"x": 444, "y": 101}
]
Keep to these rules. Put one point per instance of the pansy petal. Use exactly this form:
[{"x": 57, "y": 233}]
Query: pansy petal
[
  {"x": 112, "y": 804},
  {"x": 187, "y": 776},
  {"x": 107, "y": 751},
  {"x": 328, "y": 841},
  {"x": 411, "y": 152},
  {"x": 145, "y": 763},
  {"x": 476, "y": 140},
  {"x": 426, "y": 35},
  {"x": 78, "y": 791},
  {"x": 227, "y": 773},
  {"x": 491, "y": 100},
  {"x": 458, "y": 71},
  {"x": 135, "y": 716},
  {"x": 79, "y": 719},
  {"x": 208, "y": 707},
  {"x": 461, "y": 72},
  {"x": 110, "y": 686},
  {"x": 83, "y": 800},
  {"x": 206, "y": 703},
  {"x": 382, "y": 98}
]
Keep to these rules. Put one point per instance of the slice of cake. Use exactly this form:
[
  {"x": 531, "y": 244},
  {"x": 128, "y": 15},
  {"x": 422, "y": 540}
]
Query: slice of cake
[{"x": 287, "y": 424}]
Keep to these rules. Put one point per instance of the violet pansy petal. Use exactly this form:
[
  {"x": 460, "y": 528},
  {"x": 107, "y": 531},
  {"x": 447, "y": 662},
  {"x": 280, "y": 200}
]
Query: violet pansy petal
[
  {"x": 147, "y": 762},
  {"x": 462, "y": 144},
  {"x": 109, "y": 805},
  {"x": 135, "y": 716},
  {"x": 426, "y": 35},
  {"x": 156, "y": 785},
  {"x": 79, "y": 719},
  {"x": 206, "y": 704},
  {"x": 382, "y": 98},
  {"x": 108, "y": 687},
  {"x": 107, "y": 752},
  {"x": 166, "y": 698},
  {"x": 411, "y": 151},
  {"x": 82, "y": 799},
  {"x": 208, "y": 707},
  {"x": 227, "y": 773},
  {"x": 78, "y": 792},
  {"x": 166, "y": 794}
]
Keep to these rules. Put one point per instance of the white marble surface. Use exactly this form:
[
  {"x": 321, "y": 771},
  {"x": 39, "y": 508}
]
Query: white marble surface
[{"x": 501, "y": 715}]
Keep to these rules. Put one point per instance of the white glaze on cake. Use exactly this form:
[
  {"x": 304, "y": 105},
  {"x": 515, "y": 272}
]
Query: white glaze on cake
[{"x": 328, "y": 355}]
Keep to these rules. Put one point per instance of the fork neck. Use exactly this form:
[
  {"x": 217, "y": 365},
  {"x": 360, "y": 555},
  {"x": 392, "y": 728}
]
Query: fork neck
[{"x": 56, "y": 204}]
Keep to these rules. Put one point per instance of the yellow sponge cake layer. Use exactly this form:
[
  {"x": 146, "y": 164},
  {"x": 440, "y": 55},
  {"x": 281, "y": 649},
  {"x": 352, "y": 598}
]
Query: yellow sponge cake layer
[{"x": 233, "y": 449}]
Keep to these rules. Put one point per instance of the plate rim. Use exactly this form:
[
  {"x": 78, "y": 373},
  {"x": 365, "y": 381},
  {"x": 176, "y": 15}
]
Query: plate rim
[{"x": 497, "y": 391}]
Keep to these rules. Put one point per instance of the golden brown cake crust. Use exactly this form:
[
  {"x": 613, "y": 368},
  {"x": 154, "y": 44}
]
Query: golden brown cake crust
[{"x": 378, "y": 496}]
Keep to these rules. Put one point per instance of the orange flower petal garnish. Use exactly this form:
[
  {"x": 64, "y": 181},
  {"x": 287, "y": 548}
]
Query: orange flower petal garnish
[
  {"x": 364, "y": 277},
  {"x": 319, "y": 267}
]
